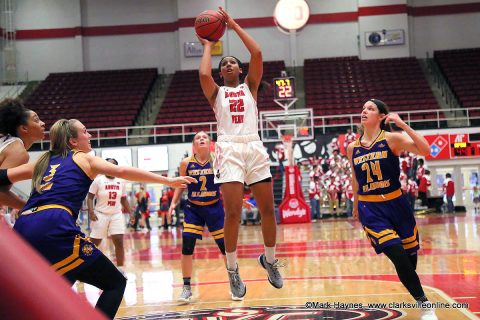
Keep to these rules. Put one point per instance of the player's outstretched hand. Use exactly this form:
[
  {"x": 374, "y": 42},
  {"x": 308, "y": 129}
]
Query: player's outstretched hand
[
  {"x": 180, "y": 182},
  {"x": 226, "y": 17},
  {"x": 205, "y": 41}
]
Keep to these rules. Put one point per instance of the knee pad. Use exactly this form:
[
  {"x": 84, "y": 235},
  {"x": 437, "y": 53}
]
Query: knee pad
[
  {"x": 188, "y": 245},
  {"x": 221, "y": 245}
]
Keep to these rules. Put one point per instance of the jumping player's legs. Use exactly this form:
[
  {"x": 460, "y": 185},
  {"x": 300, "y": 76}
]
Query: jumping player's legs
[
  {"x": 232, "y": 200},
  {"x": 263, "y": 193}
]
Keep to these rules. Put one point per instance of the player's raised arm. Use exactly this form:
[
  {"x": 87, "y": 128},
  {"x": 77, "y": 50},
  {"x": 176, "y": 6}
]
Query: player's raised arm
[
  {"x": 100, "y": 166},
  {"x": 209, "y": 87},
  {"x": 255, "y": 69}
]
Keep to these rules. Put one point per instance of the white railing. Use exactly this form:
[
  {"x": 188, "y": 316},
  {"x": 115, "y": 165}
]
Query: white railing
[{"x": 185, "y": 131}]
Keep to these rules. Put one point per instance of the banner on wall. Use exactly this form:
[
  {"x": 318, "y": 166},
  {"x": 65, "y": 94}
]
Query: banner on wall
[
  {"x": 195, "y": 49},
  {"x": 453, "y": 146}
]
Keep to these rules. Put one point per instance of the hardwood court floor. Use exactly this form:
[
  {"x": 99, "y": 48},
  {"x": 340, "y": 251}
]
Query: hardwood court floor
[{"x": 327, "y": 261}]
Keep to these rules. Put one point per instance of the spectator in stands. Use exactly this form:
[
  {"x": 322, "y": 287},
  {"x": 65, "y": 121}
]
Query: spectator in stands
[
  {"x": 449, "y": 192},
  {"x": 476, "y": 198},
  {"x": 240, "y": 154},
  {"x": 143, "y": 206},
  {"x": 315, "y": 172},
  {"x": 332, "y": 191},
  {"x": 403, "y": 182},
  {"x": 349, "y": 138},
  {"x": 423, "y": 188},
  {"x": 335, "y": 144},
  {"x": 383, "y": 210},
  {"x": 250, "y": 210},
  {"x": 412, "y": 192},
  {"x": 176, "y": 211},
  {"x": 20, "y": 128},
  {"x": 163, "y": 211},
  {"x": 420, "y": 170},
  {"x": 349, "y": 199},
  {"x": 61, "y": 180},
  {"x": 314, "y": 196}
]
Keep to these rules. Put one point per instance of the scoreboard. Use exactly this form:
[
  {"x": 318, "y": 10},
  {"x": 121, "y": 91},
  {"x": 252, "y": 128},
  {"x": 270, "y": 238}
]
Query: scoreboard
[
  {"x": 453, "y": 146},
  {"x": 284, "y": 88},
  {"x": 464, "y": 145}
]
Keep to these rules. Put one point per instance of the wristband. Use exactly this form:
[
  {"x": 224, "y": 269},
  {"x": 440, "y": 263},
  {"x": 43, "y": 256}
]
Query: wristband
[{"x": 4, "y": 181}]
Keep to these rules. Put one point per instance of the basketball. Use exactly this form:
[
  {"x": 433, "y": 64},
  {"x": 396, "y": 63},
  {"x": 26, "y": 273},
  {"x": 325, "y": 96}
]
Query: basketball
[{"x": 210, "y": 25}]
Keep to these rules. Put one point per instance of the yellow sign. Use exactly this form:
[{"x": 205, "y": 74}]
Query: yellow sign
[{"x": 217, "y": 49}]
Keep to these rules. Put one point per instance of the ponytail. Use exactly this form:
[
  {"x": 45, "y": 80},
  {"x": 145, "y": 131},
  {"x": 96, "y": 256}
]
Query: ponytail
[
  {"x": 39, "y": 171},
  {"x": 60, "y": 134}
]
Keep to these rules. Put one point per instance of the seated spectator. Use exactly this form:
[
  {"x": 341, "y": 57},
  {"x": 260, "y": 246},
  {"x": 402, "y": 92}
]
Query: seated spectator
[
  {"x": 250, "y": 211},
  {"x": 423, "y": 187}
]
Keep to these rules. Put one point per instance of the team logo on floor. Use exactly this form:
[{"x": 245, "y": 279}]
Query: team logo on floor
[{"x": 274, "y": 312}]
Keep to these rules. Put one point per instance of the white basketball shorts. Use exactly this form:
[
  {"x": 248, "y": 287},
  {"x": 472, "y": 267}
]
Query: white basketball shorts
[
  {"x": 107, "y": 224},
  {"x": 242, "y": 159}
]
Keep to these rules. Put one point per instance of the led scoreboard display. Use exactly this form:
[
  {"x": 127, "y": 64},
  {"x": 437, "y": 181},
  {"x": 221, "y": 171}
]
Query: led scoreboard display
[
  {"x": 284, "y": 88},
  {"x": 465, "y": 145}
]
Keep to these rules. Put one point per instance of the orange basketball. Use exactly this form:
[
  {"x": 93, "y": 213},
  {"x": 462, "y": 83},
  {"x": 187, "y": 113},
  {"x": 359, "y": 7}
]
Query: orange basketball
[{"x": 210, "y": 25}]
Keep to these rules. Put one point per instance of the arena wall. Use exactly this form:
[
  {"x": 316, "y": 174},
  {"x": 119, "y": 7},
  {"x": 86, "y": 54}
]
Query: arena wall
[{"x": 82, "y": 35}]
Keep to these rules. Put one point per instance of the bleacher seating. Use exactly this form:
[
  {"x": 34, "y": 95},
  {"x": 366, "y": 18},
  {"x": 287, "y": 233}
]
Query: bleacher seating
[
  {"x": 185, "y": 102},
  {"x": 341, "y": 85},
  {"x": 461, "y": 68},
  {"x": 97, "y": 98}
]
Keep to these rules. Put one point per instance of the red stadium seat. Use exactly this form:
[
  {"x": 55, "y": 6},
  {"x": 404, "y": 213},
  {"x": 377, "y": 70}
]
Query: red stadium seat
[{"x": 95, "y": 97}]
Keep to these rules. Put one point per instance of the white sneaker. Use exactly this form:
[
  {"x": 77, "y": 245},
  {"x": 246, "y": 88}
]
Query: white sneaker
[
  {"x": 186, "y": 294},
  {"x": 428, "y": 314}
]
